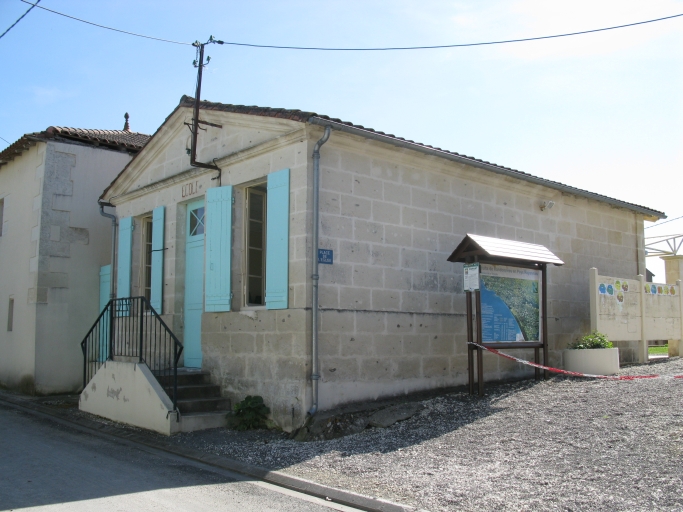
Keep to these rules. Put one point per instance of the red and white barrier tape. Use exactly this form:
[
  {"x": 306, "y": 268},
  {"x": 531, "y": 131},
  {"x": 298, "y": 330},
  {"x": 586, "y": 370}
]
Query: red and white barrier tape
[{"x": 575, "y": 374}]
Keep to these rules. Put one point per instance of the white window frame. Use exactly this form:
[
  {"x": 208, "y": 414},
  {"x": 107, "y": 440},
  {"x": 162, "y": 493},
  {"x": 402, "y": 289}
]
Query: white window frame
[
  {"x": 146, "y": 235},
  {"x": 260, "y": 189}
]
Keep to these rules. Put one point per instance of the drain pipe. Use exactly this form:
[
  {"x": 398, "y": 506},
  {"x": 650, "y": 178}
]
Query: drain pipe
[
  {"x": 315, "y": 372},
  {"x": 112, "y": 291}
]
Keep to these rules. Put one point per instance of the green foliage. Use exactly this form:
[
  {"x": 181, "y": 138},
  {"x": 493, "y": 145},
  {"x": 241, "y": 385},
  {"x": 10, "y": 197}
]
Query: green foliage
[
  {"x": 658, "y": 350},
  {"x": 594, "y": 340},
  {"x": 250, "y": 413}
]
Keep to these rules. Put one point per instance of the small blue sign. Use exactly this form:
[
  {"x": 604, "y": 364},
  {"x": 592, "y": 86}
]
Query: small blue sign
[{"x": 325, "y": 256}]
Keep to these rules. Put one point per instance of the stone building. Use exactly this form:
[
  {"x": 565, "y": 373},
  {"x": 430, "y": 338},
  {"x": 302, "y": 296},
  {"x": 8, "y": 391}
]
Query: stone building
[
  {"x": 53, "y": 242},
  {"x": 391, "y": 308}
]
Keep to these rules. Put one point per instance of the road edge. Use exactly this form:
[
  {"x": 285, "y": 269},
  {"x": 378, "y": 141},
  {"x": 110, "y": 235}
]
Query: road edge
[{"x": 277, "y": 478}]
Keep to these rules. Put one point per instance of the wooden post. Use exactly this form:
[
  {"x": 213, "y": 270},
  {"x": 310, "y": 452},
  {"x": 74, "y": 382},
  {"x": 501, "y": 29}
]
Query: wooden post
[
  {"x": 470, "y": 339},
  {"x": 480, "y": 358}
]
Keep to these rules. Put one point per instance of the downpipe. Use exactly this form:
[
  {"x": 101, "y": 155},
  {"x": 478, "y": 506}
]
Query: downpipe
[
  {"x": 112, "y": 281},
  {"x": 315, "y": 371}
]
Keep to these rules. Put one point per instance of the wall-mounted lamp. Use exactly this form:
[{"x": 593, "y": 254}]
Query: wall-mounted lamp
[{"x": 547, "y": 205}]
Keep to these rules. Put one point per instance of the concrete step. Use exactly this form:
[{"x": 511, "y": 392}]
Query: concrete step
[
  {"x": 186, "y": 377},
  {"x": 195, "y": 391},
  {"x": 203, "y": 405},
  {"x": 189, "y": 422}
]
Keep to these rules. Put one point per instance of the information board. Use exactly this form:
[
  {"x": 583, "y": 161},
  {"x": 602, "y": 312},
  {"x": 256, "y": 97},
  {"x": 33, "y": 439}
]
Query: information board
[{"x": 510, "y": 304}]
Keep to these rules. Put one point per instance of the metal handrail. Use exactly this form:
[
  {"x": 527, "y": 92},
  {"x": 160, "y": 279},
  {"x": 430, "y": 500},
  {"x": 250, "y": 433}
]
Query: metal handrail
[{"x": 131, "y": 328}]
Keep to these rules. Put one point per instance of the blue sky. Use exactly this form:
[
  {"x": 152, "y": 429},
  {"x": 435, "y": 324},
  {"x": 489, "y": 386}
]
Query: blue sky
[{"x": 603, "y": 112}]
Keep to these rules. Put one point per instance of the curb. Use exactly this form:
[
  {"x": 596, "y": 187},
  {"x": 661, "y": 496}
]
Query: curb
[{"x": 277, "y": 478}]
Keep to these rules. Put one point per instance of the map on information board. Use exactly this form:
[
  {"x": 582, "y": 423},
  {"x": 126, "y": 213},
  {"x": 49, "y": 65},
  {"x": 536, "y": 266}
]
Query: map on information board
[{"x": 510, "y": 304}]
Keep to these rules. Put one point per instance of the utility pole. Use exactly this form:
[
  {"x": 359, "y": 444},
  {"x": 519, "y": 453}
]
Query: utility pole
[{"x": 199, "y": 64}]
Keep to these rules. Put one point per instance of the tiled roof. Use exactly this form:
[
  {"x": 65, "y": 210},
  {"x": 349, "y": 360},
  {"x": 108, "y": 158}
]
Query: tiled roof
[
  {"x": 120, "y": 138},
  {"x": 17, "y": 148},
  {"x": 282, "y": 113},
  {"x": 304, "y": 117},
  {"x": 114, "y": 139},
  {"x": 314, "y": 118}
]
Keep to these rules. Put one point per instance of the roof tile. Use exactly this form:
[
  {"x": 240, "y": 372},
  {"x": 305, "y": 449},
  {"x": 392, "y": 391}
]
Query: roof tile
[{"x": 120, "y": 139}]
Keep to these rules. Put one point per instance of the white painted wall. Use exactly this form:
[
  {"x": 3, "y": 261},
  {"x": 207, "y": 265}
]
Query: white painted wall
[
  {"x": 52, "y": 246},
  {"x": 129, "y": 393},
  {"x": 20, "y": 187},
  {"x": 635, "y": 314},
  {"x": 76, "y": 243}
]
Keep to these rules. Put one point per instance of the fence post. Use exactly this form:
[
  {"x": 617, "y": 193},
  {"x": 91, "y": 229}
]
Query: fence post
[
  {"x": 594, "y": 298},
  {"x": 141, "y": 319},
  {"x": 675, "y": 345},
  {"x": 643, "y": 357},
  {"x": 112, "y": 330}
]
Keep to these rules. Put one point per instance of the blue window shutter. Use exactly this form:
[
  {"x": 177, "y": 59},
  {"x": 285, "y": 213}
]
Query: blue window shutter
[
  {"x": 277, "y": 240},
  {"x": 157, "y": 285},
  {"x": 124, "y": 266},
  {"x": 218, "y": 248}
]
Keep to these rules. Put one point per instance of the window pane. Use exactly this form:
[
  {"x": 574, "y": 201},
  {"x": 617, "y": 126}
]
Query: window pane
[
  {"x": 197, "y": 221},
  {"x": 255, "y": 290},
  {"x": 255, "y": 228},
  {"x": 256, "y": 206},
  {"x": 255, "y": 263},
  {"x": 255, "y": 235}
]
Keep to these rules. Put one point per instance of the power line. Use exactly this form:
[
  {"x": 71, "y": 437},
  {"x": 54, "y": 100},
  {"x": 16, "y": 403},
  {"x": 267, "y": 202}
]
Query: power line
[
  {"x": 452, "y": 45},
  {"x": 660, "y": 223},
  {"x": 20, "y": 18},
  {"x": 103, "y": 26},
  {"x": 8, "y": 142},
  {"x": 391, "y": 48}
]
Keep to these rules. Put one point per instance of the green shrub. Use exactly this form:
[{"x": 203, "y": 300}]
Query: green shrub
[
  {"x": 594, "y": 340},
  {"x": 250, "y": 413}
]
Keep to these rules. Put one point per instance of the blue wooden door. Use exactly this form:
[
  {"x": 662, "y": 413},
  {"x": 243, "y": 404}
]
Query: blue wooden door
[{"x": 194, "y": 283}]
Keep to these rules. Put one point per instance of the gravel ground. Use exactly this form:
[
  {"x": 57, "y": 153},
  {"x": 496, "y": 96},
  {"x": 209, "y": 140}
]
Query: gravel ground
[{"x": 561, "y": 444}]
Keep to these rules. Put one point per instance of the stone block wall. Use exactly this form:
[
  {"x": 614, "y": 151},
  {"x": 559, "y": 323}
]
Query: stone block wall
[
  {"x": 393, "y": 307},
  {"x": 260, "y": 353}
]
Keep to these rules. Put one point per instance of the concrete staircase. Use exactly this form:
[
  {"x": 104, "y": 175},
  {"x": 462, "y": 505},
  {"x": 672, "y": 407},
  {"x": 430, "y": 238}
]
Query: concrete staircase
[{"x": 199, "y": 402}]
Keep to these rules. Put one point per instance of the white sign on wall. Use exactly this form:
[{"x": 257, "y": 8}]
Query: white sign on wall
[{"x": 471, "y": 277}]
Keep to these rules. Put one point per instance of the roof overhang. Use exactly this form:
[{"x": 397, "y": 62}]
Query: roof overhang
[{"x": 485, "y": 249}]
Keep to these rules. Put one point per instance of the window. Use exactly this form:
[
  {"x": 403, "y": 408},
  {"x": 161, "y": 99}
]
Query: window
[
  {"x": 10, "y": 314},
  {"x": 197, "y": 221},
  {"x": 2, "y": 210},
  {"x": 255, "y": 246},
  {"x": 147, "y": 228}
]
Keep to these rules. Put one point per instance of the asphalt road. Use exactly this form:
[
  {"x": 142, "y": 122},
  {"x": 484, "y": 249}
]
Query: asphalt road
[{"x": 51, "y": 467}]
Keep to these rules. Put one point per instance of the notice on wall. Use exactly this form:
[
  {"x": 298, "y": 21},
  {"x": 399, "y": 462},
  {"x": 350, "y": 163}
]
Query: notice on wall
[
  {"x": 325, "y": 256},
  {"x": 510, "y": 304},
  {"x": 470, "y": 281}
]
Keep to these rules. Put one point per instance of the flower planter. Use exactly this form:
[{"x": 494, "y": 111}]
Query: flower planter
[{"x": 596, "y": 361}]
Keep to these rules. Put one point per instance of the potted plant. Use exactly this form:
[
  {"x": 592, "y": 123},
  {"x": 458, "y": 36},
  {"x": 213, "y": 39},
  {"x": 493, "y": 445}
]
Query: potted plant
[{"x": 593, "y": 354}]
